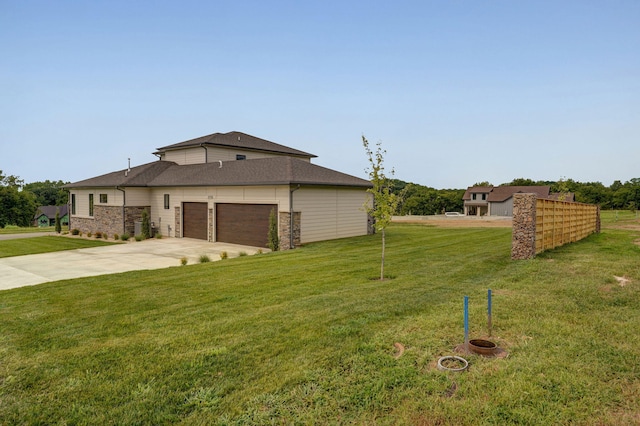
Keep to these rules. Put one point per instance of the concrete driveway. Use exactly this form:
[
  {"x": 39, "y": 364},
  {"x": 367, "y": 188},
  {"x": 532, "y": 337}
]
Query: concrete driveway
[{"x": 34, "y": 269}]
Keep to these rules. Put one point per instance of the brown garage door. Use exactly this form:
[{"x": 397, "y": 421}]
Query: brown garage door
[
  {"x": 195, "y": 220},
  {"x": 246, "y": 224}
]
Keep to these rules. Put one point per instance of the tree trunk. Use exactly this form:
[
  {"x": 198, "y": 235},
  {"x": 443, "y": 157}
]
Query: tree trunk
[{"x": 382, "y": 263}]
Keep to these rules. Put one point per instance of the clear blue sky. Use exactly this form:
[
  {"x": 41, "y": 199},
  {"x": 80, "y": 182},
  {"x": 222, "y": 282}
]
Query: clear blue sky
[{"x": 457, "y": 91}]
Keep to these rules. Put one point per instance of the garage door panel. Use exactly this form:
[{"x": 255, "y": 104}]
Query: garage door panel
[
  {"x": 246, "y": 224},
  {"x": 195, "y": 220}
]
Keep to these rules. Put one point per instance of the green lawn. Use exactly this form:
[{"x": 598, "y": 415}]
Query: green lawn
[
  {"x": 12, "y": 229},
  {"x": 307, "y": 337},
  {"x": 47, "y": 244}
]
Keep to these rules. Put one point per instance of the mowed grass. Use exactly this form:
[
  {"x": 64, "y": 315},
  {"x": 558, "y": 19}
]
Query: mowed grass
[
  {"x": 307, "y": 337},
  {"x": 12, "y": 229},
  {"x": 47, "y": 244}
]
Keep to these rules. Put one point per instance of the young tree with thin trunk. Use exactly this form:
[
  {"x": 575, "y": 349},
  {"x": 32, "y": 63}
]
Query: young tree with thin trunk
[
  {"x": 385, "y": 202},
  {"x": 58, "y": 224}
]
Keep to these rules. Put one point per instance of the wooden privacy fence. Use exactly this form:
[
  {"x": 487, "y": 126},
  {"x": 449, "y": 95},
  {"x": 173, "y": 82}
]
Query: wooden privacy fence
[{"x": 540, "y": 224}]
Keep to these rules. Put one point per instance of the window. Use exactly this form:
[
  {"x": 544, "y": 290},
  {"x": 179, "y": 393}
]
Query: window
[
  {"x": 90, "y": 204},
  {"x": 73, "y": 203},
  {"x": 103, "y": 198},
  {"x": 241, "y": 157},
  {"x": 166, "y": 201},
  {"x": 473, "y": 196},
  {"x": 484, "y": 196}
]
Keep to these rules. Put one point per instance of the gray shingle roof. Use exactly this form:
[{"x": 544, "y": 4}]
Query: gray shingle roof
[
  {"x": 263, "y": 171},
  {"x": 136, "y": 176},
  {"x": 502, "y": 193},
  {"x": 238, "y": 140},
  {"x": 50, "y": 211}
]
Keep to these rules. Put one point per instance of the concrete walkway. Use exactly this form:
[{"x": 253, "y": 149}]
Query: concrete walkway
[{"x": 34, "y": 269}]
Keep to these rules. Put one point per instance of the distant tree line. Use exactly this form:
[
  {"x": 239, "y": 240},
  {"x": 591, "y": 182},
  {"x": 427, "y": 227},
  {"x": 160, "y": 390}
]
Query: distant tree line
[
  {"x": 423, "y": 200},
  {"x": 620, "y": 196},
  {"x": 19, "y": 201}
]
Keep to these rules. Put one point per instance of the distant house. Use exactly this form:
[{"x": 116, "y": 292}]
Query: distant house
[
  {"x": 222, "y": 188},
  {"x": 46, "y": 215},
  {"x": 498, "y": 200}
]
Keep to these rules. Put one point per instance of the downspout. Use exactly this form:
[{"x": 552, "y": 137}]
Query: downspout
[
  {"x": 124, "y": 203},
  {"x": 206, "y": 153},
  {"x": 291, "y": 240}
]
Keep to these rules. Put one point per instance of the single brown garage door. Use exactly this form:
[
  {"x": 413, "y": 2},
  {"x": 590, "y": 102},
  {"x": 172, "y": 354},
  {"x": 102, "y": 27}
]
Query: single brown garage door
[
  {"x": 246, "y": 224},
  {"x": 195, "y": 220}
]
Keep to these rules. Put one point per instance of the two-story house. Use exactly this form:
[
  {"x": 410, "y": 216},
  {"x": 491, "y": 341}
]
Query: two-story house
[
  {"x": 223, "y": 187},
  {"x": 498, "y": 200}
]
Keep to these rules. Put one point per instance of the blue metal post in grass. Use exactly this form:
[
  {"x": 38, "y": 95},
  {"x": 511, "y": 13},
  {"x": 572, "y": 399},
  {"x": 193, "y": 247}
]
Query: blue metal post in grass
[
  {"x": 489, "y": 310},
  {"x": 466, "y": 324}
]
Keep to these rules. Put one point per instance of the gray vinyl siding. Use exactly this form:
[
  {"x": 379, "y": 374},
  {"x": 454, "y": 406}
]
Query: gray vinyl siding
[
  {"x": 329, "y": 213},
  {"x": 504, "y": 208}
]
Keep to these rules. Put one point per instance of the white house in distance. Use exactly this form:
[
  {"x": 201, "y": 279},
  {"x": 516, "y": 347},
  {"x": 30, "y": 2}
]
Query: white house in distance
[
  {"x": 498, "y": 200},
  {"x": 223, "y": 187}
]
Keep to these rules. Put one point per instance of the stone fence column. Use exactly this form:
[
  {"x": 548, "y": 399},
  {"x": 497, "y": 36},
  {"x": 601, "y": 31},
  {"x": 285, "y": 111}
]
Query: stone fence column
[
  {"x": 284, "y": 230},
  {"x": 523, "y": 239}
]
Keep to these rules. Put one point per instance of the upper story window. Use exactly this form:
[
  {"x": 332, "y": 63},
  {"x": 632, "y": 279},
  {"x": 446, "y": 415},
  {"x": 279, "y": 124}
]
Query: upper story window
[
  {"x": 103, "y": 198},
  {"x": 241, "y": 157},
  {"x": 73, "y": 203},
  {"x": 90, "y": 204},
  {"x": 166, "y": 201},
  {"x": 473, "y": 196},
  {"x": 484, "y": 196}
]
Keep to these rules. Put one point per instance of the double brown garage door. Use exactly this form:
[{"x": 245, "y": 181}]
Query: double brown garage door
[{"x": 246, "y": 224}]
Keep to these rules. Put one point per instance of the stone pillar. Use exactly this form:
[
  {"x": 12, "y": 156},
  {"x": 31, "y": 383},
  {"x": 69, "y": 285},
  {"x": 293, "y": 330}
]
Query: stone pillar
[
  {"x": 523, "y": 239},
  {"x": 177, "y": 229},
  {"x": 210, "y": 225},
  {"x": 284, "y": 229},
  {"x": 371, "y": 225}
]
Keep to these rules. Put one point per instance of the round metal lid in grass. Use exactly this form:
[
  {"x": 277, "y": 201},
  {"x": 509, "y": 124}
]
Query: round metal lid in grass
[{"x": 452, "y": 363}]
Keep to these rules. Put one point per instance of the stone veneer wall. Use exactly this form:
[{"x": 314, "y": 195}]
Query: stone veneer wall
[
  {"x": 371, "y": 225},
  {"x": 210, "y": 225},
  {"x": 106, "y": 219},
  {"x": 523, "y": 237},
  {"x": 177, "y": 223},
  {"x": 133, "y": 215},
  {"x": 284, "y": 230}
]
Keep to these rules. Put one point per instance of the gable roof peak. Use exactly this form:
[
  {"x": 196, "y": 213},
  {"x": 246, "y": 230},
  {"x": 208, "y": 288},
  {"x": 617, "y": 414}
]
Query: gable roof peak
[{"x": 235, "y": 139}]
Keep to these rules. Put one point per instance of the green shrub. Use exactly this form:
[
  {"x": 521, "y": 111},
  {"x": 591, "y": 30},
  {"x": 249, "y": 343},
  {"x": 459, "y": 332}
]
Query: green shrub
[
  {"x": 242, "y": 253},
  {"x": 116, "y": 237},
  {"x": 204, "y": 258},
  {"x": 139, "y": 237},
  {"x": 98, "y": 234},
  {"x": 272, "y": 236},
  {"x": 224, "y": 255},
  {"x": 58, "y": 224},
  {"x": 75, "y": 231},
  {"x": 146, "y": 225},
  {"x": 125, "y": 237},
  {"x": 259, "y": 251},
  {"x": 159, "y": 236},
  {"x": 184, "y": 260},
  {"x": 89, "y": 234}
]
